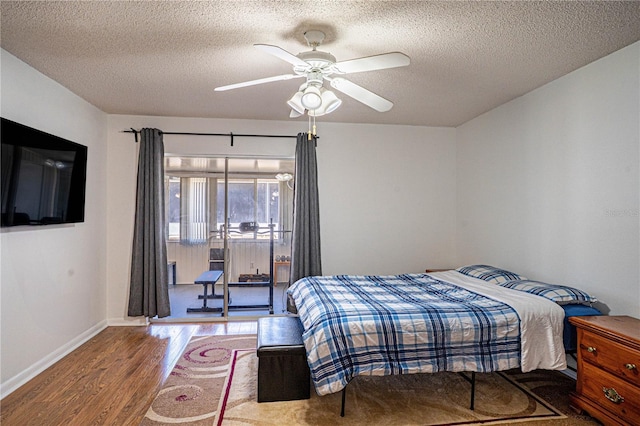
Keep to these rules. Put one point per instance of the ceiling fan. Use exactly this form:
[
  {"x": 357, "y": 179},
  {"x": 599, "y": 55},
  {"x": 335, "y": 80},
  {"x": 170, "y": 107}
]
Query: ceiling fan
[{"x": 316, "y": 66}]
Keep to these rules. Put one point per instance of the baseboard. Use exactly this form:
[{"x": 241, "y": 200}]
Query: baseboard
[
  {"x": 29, "y": 373},
  {"x": 570, "y": 373},
  {"x": 572, "y": 366},
  {"x": 131, "y": 322}
]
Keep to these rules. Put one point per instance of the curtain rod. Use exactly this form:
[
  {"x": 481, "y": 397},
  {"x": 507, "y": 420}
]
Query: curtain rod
[{"x": 231, "y": 135}]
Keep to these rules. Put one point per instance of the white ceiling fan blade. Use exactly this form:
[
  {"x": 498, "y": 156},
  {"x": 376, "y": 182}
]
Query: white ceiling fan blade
[
  {"x": 361, "y": 94},
  {"x": 372, "y": 63},
  {"x": 258, "y": 81},
  {"x": 279, "y": 52}
]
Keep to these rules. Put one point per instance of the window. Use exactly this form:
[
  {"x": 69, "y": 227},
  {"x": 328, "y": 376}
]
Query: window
[
  {"x": 172, "y": 191},
  {"x": 250, "y": 200},
  {"x": 195, "y": 208}
]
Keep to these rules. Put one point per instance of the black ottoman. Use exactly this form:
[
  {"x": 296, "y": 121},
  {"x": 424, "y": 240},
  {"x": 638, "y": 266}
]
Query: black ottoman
[{"x": 283, "y": 372}]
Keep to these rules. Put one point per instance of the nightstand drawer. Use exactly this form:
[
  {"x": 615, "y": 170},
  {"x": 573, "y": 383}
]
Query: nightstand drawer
[
  {"x": 611, "y": 356},
  {"x": 597, "y": 385}
]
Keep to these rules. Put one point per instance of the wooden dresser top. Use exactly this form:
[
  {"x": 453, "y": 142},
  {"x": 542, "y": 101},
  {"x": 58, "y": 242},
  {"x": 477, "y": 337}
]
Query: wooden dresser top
[{"x": 615, "y": 327}]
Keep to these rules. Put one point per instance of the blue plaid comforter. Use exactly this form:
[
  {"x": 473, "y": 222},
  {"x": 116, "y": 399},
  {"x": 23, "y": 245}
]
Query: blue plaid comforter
[{"x": 401, "y": 324}]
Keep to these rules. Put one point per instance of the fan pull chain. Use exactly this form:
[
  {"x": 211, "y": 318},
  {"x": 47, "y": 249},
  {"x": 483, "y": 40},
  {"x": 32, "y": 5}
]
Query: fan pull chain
[{"x": 311, "y": 133}]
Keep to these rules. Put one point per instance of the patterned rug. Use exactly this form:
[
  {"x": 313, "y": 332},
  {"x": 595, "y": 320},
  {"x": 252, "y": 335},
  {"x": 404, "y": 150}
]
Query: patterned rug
[
  {"x": 430, "y": 399},
  {"x": 192, "y": 391},
  {"x": 193, "y": 395}
]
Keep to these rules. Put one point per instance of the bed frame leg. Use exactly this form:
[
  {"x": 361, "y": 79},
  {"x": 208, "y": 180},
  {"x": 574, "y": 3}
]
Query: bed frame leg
[
  {"x": 471, "y": 380},
  {"x": 473, "y": 389},
  {"x": 344, "y": 396}
]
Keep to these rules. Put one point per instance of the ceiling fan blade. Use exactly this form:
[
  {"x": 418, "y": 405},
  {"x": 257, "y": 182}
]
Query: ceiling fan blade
[
  {"x": 372, "y": 63},
  {"x": 279, "y": 52},
  {"x": 258, "y": 81},
  {"x": 361, "y": 94}
]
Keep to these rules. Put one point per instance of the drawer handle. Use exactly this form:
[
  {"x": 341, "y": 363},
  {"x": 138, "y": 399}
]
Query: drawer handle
[
  {"x": 591, "y": 349},
  {"x": 630, "y": 366},
  {"x": 612, "y": 395}
]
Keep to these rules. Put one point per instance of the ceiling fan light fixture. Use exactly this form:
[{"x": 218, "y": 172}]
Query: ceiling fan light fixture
[
  {"x": 311, "y": 98},
  {"x": 330, "y": 101},
  {"x": 284, "y": 177},
  {"x": 296, "y": 103}
]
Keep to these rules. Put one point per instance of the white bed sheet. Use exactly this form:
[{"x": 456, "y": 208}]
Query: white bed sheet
[{"x": 541, "y": 321}]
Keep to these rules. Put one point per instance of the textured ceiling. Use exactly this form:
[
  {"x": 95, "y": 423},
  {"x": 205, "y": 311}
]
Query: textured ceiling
[{"x": 165, "y": 57}]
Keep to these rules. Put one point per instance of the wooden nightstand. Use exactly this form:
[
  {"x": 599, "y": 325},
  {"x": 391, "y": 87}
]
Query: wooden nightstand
[{"x": 608, "y": 385}]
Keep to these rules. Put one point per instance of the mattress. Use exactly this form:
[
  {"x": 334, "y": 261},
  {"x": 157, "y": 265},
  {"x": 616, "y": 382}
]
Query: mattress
[{"x": 380, "y": 325}]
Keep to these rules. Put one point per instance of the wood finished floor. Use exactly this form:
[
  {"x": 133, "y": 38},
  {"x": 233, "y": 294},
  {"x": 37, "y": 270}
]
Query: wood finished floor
[{"x": 111, "y": 379}]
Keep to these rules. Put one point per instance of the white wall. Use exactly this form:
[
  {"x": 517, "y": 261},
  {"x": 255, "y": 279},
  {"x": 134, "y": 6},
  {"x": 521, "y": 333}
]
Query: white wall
[
  {"x": 52, "y": 280},
  {"x": 387, "y": 193},
  {"x": 387, "y": 198},
  {"x": 549, "y": 184}
]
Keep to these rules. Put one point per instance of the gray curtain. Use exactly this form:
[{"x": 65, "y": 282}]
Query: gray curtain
[
  {"x": 305, "y": 244},
  {"x": 149, "y": 289}
]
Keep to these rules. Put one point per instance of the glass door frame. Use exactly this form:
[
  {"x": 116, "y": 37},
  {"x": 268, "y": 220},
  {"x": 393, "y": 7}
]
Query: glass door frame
[{"x": 227, "y": 251}]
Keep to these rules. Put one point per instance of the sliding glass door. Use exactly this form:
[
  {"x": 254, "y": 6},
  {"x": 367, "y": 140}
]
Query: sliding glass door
[
  {"x": 233, "y": 214},
  {"x": 258, "y": 213}
]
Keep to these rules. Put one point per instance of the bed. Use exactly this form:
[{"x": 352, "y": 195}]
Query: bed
[{"x": 478, "y": 319}]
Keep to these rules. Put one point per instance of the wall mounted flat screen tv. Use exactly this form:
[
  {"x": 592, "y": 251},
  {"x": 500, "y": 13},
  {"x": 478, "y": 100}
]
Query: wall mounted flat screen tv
[{"x": 43, "y": 177}]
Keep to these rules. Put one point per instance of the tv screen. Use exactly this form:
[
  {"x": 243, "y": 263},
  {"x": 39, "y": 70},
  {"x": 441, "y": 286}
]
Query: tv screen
[{"x": 43, "y": 177}]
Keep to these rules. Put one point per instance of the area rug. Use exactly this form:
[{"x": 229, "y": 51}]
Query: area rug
[
  {"x": 192, "y": 391},
  {"x": 426, "y": 399}
]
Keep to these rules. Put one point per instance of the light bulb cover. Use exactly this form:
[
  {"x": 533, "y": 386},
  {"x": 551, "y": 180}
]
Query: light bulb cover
[
  {"x": 311, "y": 98},
  {"x": 330, "y": 101},
  {"x": 295, "y": 103}
]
